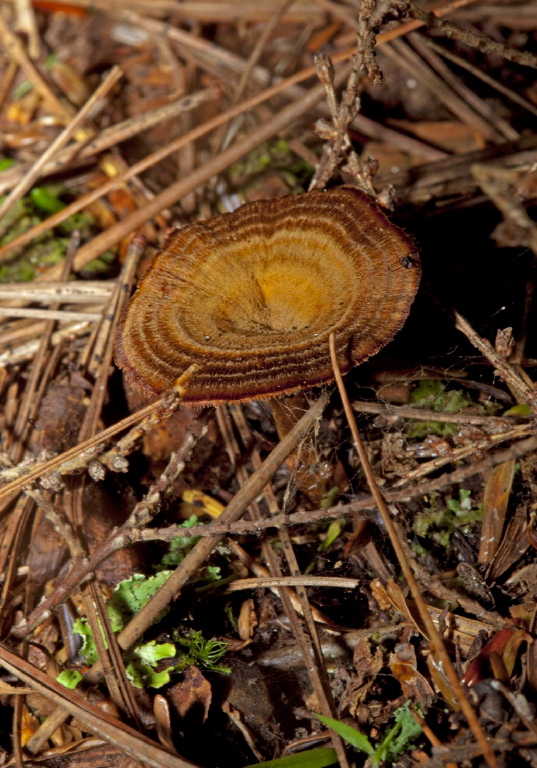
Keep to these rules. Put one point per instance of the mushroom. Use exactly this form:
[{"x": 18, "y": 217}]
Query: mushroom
[{"x": 252, "y": 297}]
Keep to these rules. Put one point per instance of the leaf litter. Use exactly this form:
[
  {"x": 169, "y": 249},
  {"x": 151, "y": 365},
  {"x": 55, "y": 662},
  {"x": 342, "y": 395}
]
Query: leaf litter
[{"x": 121, "y": 122}]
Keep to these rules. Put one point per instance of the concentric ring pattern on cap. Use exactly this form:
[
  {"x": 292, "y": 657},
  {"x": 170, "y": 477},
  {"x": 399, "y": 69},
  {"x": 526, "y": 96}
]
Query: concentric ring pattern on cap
[{"x": 252, "y": 296}]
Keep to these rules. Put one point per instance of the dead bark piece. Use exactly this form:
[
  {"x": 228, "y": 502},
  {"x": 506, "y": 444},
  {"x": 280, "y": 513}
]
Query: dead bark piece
[{"x": 60, "y": 416}]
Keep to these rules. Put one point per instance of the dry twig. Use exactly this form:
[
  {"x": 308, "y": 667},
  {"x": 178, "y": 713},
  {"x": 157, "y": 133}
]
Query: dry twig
[{"x": 437, "y": 644}]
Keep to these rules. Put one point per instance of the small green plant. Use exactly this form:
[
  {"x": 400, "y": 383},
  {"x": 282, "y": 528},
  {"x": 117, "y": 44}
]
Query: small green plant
[
  {"x": 141, "y": 664},
  {"x": 313, "y": 758},
  {"x": 395, "y": 742},
  {"x": 143, "y": 661},
  {"x": 440, "y": 523},
  {"x": 70, "y": 678},
  {"x": 521, "y": 410},
  {"x": 131, "y": 595},
  {"x": 178, "y": 549},
  {"x": 187, "y": 649},
  {"x": 180, "y": 546},
  {"x": 48, "y": 248}
]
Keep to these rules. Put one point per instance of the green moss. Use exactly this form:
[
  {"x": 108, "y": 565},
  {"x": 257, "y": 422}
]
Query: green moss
[
  {"x": 199, "y": 651},
  {"x": 48, "y": 248},
  {"x": 434, "y": 395},
  {"x": 439, "y": 523},
  {"x": 272, "y": 157}
]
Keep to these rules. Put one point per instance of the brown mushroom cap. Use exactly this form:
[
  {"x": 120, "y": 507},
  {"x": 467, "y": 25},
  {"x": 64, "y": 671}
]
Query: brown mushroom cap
[{"x": 252, "y": 297}]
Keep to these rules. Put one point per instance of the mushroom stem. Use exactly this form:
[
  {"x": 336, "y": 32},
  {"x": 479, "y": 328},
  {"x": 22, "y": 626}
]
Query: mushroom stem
[
  {"x": 287, "y": 410},
  {"x": 311, "y": 477}
]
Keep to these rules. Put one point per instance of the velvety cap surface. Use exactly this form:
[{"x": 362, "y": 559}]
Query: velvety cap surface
[{"x": 252, "y": 297}]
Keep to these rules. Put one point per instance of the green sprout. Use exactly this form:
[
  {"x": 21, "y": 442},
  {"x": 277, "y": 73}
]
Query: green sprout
[
  {"x": 332, "y": 533},
  {"x": 313, "y": 758},
  {"x": 395, "y": 742}
]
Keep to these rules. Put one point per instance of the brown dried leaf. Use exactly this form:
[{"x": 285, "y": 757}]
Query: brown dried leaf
[
  {"x": 512, "y": 647},
  {"x": 367, "y": 666},
  {"x": 366, "y": 663},
  {"x": 504, "y": 645},
  {"x": 193, "y": 690},
  {"x": 247, "y": 619},
  {"x": 29, "y": 725},
  {"x": 442, "y": 684},
  {"x": 459, "y": 630},
  {"x": 161, "y": 710},
  {"x": 45, "y": 557},
  {"x": 404, "y": 668},
  {"x": 495, "y": 501},
  {"x": 395, "y": 595},
  {"x": 513, "y": 545}
]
